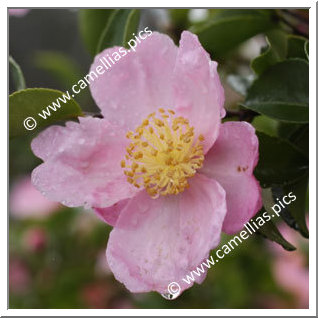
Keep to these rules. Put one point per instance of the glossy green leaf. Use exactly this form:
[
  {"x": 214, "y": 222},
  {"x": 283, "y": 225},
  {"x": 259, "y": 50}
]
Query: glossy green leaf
[
  {"x": 279, "y": 162},
  {"x": 281, "y": 92},
  {"x": 297, "y": 134},
  {"x": 32, "y": 101},
  {"x": 92, "y": 22},
  {"x": 271, "y": 197},
  {"x": 228, "y": 28},
  {"x": 119, "y": 29},
  {"x": 270, "y": 231},
  {"x": 62, "y": 67},
  {"x": 17, "y": 74},
  {"x": 296, "y": 47},
  {"x": 266, "y": 125},
  {"x": 275, "y": 52},
  {"x": 294, "y": 214},
  {"x": 298, "y": 208}
]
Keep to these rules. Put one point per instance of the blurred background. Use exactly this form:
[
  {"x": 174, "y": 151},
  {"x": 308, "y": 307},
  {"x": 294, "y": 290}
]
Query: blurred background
[{"x": 57, "y": 254}]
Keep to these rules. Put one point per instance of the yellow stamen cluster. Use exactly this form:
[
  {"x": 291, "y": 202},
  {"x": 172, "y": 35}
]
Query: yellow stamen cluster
[{"x": 163, "y": 154}]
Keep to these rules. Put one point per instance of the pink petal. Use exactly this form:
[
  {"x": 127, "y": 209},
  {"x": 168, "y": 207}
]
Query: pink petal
[
  {"x": 138, "y": 83},
  {"x": 159, "y": 241},
  {"x": 82, "y": 163},
  {"x": 231, "y": 162},
  {"x": 110, "y": 215},
  {"x": 199, "y": 95}
]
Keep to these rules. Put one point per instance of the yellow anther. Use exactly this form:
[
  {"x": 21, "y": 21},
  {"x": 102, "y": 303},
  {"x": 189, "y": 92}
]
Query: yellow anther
[
  {"x": 129, "y": 134},
  {"x": 154, "y": 152},
  {"x": 134, "y": 166},
  {"x": 168, "y": 161},
  {"x": 138, "y": 155},
  {"x": 164, "y": 155},
  {"x": 159, "y": 122},
  {"x": 175, "y": 127},
  {"x": 145, "y": 122},
  {"x": 130, "y": 180},
  {"x": 129, "y": 173}
]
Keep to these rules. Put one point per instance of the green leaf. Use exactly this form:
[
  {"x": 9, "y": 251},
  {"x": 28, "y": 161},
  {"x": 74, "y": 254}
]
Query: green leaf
[
  {"x": 229, "y": 28},
  {"x": 270, "y": 231},
  {"x": 294, "y": 214},
  {"x": 279, "y": 162},
  {"x": 17, "y": 74},
  {"x": 119, "y": 29},
  {"x": 297, "y": 134},
  {"x": 60, "y": 66},
  {"x": 281, "y": 92},
  {"x": 298, "y": 207},
  {"x": 32, "y": 101},
  {"x": 271, "y": 197},
  {"x": 275, "y": 52},
  {"x": 92, "y": 22},
  {"x": 296, "y": 47},
  {"x": 266, "y": 125}
]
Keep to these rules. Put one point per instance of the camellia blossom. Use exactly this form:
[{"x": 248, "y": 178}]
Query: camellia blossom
[
  {"x": 287, "y": 265},
  {"x": 159, "y": 167},
  {"x": 27, "y": 202}
]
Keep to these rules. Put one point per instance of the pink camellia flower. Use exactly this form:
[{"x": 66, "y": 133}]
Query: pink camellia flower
[
  {"x": 160, "y": 167},
  {"x": 27, "y": 202},
  {"x": 19, "y": 276},
  {"x": 18, "y": 12},
  {"x": 291, "y": 270},
  {"x": 35, "y": 239}
]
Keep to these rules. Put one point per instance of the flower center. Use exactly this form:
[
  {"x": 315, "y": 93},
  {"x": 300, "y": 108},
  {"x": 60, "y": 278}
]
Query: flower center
[{"x": 163, "y": 154}]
